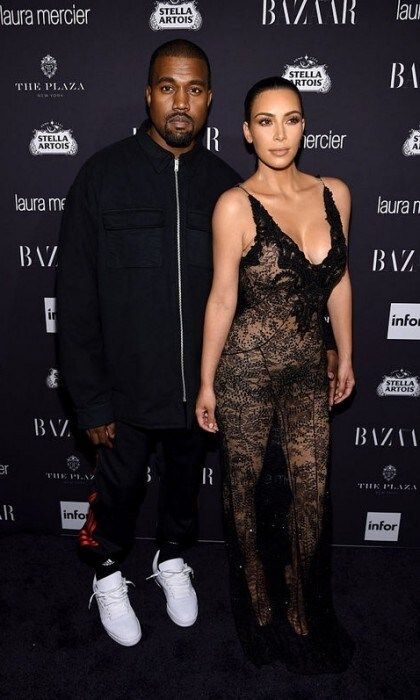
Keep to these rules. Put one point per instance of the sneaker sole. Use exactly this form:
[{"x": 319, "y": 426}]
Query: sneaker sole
[
  {"x": 120, "y": 641},
  {"x": 180, "y": 623}
]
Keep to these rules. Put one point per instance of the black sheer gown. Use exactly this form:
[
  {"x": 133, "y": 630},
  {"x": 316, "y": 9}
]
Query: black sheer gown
[{"x": 272, "y": 394}]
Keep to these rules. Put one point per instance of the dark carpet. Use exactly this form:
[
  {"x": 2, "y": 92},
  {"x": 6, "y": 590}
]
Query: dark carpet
[{"x": 53, "y": 647}]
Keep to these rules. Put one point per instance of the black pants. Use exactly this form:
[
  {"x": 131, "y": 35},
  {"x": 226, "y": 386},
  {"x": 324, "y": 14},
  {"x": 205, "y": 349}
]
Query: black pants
[{"x": 119, "y": 487}]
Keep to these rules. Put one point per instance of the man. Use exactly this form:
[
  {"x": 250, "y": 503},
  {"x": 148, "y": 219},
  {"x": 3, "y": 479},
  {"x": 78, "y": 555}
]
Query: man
[
  {"x": 134, "y": 275},
  {"x": 135, "y": 271}
]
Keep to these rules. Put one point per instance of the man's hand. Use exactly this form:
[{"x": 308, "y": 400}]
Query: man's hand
[
  {"x": 102, "y": 435},
  {"x": 332, "y": 372}
]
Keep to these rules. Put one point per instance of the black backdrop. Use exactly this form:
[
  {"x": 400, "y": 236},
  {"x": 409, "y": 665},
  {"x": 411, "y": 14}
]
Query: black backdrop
[{"x": 72, "y": 81}]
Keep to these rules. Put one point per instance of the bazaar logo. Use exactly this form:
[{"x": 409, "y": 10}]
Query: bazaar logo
[
  {"x": 175, "y": 15},
  {"x": 53, "y": 380},
  {"x": 399, "y": 383},
  {"x": 49, "y": 66},
  {"x": 53, "y": 139},
  {"x": 411, "y": 146},
  {"x": 308, "y": 75}
]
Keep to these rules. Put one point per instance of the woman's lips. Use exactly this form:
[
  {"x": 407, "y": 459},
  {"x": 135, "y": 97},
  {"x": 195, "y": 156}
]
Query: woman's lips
[{"x": 279, "y": 151}]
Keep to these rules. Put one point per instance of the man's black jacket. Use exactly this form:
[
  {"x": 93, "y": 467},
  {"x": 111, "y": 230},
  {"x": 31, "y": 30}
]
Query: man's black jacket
[{"x": 134, "y": 274}]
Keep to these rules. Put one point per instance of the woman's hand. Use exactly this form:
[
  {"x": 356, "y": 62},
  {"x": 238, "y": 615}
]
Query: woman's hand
[
  {"x": 345, "y": 381},
  {"x": 332, "y": 369},
  {"x": 204, "y": 410}
]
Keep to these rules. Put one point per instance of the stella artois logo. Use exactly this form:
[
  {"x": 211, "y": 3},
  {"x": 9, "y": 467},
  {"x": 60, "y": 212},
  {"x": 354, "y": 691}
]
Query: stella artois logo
[
  {"x": 411, "y": 146},
  {"x": 308, "y": 75},
  {"x": 399, "y": 383},
  {"x": 49, "y": 66},
  {"x": 175, "y": 14},
  {"x": 53, "y": 139}
]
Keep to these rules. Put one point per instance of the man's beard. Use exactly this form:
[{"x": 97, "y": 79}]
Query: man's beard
[{"x": 178, "y": 139}]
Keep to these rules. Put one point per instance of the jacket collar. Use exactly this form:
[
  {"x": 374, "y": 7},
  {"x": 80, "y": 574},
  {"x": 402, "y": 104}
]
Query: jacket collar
[{"x": 159, "y": 156}]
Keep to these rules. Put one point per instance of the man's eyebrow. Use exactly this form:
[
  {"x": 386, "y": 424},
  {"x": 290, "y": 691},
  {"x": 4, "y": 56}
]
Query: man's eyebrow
[{"x": 168, "y": 79}]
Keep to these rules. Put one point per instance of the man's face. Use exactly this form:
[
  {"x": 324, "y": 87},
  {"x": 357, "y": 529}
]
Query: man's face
[{"x": 178, "y": 100}]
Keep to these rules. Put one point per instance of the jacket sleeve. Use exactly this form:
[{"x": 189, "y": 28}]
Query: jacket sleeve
[
  {"x": 328, "y": 334},
  {"x": 80, "y": 341}
]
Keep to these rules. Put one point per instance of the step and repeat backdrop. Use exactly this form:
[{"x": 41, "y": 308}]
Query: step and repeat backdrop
[{"x": 72, "y": 81}]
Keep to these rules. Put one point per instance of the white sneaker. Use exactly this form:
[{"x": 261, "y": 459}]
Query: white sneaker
[
  {"x": 117, "y": 615},
  {"x": 173, "y": 576}
]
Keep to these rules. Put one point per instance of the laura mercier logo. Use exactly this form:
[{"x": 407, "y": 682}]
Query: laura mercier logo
[
  {"x": 53, "y": 139},
  {"x": 408, "y": 10},
  {"x": 399, "y": 383},
  {"x": 175, "y": 14},
  {"x": 308, "y": 75},
  {"x": 411, "y": 146},
  {"x": 67, "y": 16},
  {"x": 382, "y": 526},
  {"x": 404, "y": 322}
]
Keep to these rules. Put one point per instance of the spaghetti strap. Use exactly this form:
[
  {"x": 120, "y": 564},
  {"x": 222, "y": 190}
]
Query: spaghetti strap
[
  {"x": 320, "y": 178},
  {"x": 244, "y": 189}
]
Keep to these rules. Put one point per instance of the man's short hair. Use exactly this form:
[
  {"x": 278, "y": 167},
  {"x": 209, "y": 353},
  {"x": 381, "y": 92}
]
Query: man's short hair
[{"x": 179, "y": 48}]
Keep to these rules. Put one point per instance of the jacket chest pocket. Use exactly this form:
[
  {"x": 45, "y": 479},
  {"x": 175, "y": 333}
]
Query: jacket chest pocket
[
  {"x": 199, "y": 241},
  {"x": 133, "y": 237}
]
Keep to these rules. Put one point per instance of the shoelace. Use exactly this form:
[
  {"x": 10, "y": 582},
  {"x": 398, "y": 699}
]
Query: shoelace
[
  {"x": 114, "y": 597},
  {"x": 177, "y": 581}
]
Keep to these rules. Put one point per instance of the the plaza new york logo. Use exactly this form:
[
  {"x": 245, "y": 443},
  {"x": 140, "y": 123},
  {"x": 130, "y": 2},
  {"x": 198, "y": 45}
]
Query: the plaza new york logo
[
  {"x": 50, "y": 87},
  {"x": 175, "y": 14},
  {"x": 411, "y": 146},
  {"x": 399, "y": 383},
  {"x": 53, "y": 139},
  {"x": 308, "y": 75},
  {"x": 49, "y": 66}
]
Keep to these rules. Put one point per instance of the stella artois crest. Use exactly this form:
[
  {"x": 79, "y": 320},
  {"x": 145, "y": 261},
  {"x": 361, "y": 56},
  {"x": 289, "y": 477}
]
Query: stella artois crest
[
  {"x": 308, "y": 75},
  {"x": 411, "y": 146},
  {"x": 53, "y": 139}
]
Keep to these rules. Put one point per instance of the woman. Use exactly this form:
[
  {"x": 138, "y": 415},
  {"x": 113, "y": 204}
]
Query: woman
[{"x": 280, "y": 254}]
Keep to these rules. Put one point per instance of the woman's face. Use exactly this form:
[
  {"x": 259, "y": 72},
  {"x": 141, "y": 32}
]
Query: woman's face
[{"x": 275, "y": 128}]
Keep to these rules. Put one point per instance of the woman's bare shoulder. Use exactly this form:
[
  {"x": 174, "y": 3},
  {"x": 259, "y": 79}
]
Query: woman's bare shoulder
[
  {"x": 233, "y": 202},
  {"x": 338, "y": 187}
]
